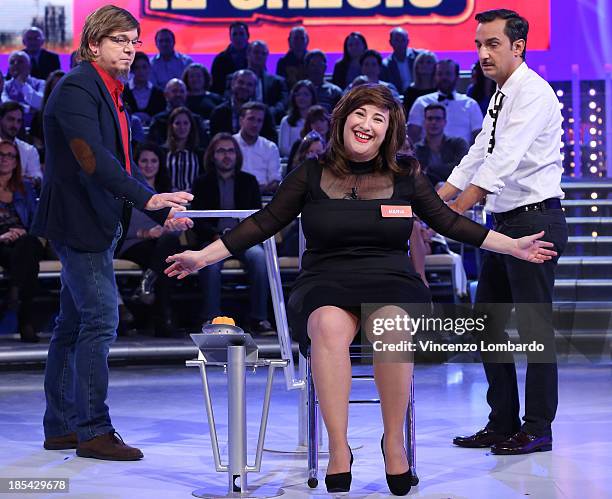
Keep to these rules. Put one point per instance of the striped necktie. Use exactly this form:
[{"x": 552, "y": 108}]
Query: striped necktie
[{"x": 494, "y": 113}]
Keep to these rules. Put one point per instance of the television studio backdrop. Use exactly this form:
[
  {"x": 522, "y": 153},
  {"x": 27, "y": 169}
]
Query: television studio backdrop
[{"x": 228, "y": 408}]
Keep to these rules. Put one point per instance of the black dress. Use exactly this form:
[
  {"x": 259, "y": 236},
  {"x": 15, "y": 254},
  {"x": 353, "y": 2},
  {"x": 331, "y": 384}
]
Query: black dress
[{"x": 353, "y": 255}]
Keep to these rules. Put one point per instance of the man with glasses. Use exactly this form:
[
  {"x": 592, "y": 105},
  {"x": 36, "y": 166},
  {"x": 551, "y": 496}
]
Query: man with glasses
[
  {"x": 437, "y": 153},
  {"x": 226, "y": 187},
  {"x": 90, "y": 185}
]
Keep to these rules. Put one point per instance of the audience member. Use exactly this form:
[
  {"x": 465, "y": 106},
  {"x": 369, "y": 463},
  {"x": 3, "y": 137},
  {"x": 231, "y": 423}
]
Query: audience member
[
  {"x": 310, "y": 147},
  {"x": 328, "y": 94},
  {"x": 168, "y": 63},
  {"x": 226, "y": 116},
  {"x": 142, "y": 98},
  {"x": 232, "y": 59},
  {"x": 199, "y": 100},
  {"x": 398, "y": 67},
  {"x": 225, "y": 186},
  {"x": 291, "y": 66},
  {"x": 22, "y": 87},
  {"x": 149, "y": 244},
  {"x": 43, "y": 61},
  {"x": 270, "y": 89},
  {"x": 371, "y": 67},
  {"x": 36, "y": 129},
  {"x": 317, "y": 120},
  {"x": 437, "y": 153},
  {"x": 349, "y": 67},
  {"x": 303, "y": 95},
  {"x": 463, "y": 115},
  {"x": 11, "y": 123},
  {"x": 184, "y": 158},
  {"x": 20, "y": 252},
  {"x": 481, "y": 89},
  {"x": 261, "y": 156},
  {"x": 424, "y": 79},
  {"x": 176, "y": 96}
]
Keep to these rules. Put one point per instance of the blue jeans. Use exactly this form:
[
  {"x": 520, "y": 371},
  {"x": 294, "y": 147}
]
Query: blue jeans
[
  {"x": 76, "y": 375},
  {"x": 210, "y": 280}
]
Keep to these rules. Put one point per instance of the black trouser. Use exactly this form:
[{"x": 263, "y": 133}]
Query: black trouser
[
  {"x": 152, "y": 254},
  {"x": 506, "y": 280},
  {"x": 20, "y": 260}
]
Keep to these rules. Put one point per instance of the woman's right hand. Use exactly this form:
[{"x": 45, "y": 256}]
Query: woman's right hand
[{"x": 185, "y": 263}]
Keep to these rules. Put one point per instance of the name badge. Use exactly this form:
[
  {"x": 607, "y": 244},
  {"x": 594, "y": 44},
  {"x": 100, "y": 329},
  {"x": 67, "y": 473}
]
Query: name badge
[{"x": 390, "y": 211}]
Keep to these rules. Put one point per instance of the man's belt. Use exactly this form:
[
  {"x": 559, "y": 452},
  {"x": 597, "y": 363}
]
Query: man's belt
[{"x": 547, "y": 204}]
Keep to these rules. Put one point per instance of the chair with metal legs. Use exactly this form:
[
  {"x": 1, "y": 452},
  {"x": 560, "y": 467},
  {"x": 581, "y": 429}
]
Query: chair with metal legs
[{"x": 313, "y": 421}]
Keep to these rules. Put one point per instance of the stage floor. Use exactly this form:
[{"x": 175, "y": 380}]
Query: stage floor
[{"x": 161, "y": 410}]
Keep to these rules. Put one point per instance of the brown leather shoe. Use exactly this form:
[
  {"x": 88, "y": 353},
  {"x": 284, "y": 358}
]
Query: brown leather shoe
[
  {"x": 60, "y": 443},
  {"x": 109, "y": 447},
  {"x": 480, "y": 439}
]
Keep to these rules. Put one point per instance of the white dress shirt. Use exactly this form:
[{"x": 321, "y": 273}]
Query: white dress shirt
[
  {"x": 463, "y": 114},
  {"x": 30, "y": 159},
  {"x": 260, "y": 159},
  {"x": 525, "y": 165}
]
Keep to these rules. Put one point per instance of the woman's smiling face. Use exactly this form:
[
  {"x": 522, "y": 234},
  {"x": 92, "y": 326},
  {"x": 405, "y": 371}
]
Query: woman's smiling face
[{"x": 364, "y": 132}]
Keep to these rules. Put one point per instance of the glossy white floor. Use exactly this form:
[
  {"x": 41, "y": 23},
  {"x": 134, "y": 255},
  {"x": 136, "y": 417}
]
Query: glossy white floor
[{"x": 161, "y": 411}]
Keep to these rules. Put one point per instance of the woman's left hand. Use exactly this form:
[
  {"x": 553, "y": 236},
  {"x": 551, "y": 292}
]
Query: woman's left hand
[{"x": 531, "y": 249}]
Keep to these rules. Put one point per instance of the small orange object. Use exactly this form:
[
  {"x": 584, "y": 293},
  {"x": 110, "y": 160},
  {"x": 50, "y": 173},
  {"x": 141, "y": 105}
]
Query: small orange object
[{"x": 224, "y": 320}]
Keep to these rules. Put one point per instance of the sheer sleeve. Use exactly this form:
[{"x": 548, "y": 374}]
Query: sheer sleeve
[
  {"x": 434, "y": 212},
  {"x": 285, "y": 206}
]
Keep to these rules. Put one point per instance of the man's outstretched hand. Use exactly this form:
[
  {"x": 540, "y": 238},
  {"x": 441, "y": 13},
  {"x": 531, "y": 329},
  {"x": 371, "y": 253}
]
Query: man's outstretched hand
[{"x": 176, "y": 200}]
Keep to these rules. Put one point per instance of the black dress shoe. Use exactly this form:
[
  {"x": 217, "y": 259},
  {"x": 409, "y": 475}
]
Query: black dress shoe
[
  {"x": 480, "y": 439},
  {"x": 522, "y": 443},
  {"x": 399, "y": 485},
  {"x": 340, "y": 482}
]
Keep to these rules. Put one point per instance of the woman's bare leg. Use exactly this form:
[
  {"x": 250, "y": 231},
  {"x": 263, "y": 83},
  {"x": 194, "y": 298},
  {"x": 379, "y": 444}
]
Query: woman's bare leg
[
  {"x": 331, "y": 331},
  {"x": 393, "y": 375}
]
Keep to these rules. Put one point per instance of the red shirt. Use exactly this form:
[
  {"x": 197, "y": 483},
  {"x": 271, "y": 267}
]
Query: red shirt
[{"x": 115, "y": 89}]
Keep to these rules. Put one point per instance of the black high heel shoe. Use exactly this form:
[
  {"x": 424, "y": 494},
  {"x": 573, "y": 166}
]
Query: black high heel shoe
[
  {"x": 340, "y": 482},
  {"x": 399, "y": 485}
]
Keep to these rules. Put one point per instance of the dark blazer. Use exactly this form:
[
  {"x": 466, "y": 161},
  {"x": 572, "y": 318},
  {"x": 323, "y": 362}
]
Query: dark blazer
[
  {"x": 46, "y": 64},
  {"x": 86, "y": 188},
  {"x": 222, "y": 65},
  {"x": 221, "y": 121},
  {"x": 391, "y": 73},
  {"x": 206, "y": 197},
  {"x": 156, "y": 104}
]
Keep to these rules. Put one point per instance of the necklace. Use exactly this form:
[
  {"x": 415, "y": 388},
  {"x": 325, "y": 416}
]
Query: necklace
[{"x": 354, "y": 194}]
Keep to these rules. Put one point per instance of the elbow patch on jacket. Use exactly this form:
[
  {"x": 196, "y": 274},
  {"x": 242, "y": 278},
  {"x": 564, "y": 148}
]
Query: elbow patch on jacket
[{"x": 84, "y": 155}]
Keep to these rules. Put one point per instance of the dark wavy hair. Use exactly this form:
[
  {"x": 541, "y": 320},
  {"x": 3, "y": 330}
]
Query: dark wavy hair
[
  {"x": 315, "y": 113},
  {"x": 193, "y": 140},
  {"x": 198, "y": 67},
  {"x": 293, "y": 114},
  {"x": 209, "y": 155},
  {"x": 335, "y": 157},
  {"x": 163, "y": 182}
]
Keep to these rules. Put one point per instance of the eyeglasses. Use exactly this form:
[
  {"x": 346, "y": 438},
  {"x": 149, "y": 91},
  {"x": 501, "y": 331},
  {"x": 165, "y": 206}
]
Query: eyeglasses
[
  {"x": 124, "y": 42},
  {"x": 221, "y": 150},
  {"x": 8, "y": 155}
]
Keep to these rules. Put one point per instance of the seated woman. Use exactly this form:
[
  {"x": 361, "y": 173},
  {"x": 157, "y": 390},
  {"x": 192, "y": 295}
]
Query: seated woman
[
  {"x": 184, "y": 159},
  {"x": 199, "y": 100},
  {"x": 357, "y": 254},
  {"x": 317, "y": 120},
  {"x": 302, "y": 96},
  {"x": 20, "y": 252},
  {"x": 149, "y": 244}
]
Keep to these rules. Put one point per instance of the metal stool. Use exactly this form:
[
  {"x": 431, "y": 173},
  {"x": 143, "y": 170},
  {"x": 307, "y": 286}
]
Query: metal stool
[{"x": 313, "y": 421}]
